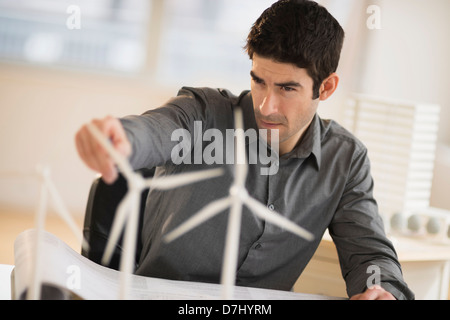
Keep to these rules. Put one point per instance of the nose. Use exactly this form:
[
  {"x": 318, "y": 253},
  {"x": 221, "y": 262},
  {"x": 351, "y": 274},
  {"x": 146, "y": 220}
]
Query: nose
[{"x": 269, "y": 105}]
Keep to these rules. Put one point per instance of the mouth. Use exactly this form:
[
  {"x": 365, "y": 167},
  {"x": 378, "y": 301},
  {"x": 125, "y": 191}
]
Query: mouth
[{"x": 269, "y": 125}]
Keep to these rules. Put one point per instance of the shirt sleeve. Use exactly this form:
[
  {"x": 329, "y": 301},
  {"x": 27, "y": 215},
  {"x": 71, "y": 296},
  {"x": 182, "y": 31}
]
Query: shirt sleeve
[
  {"x": 366, "y": 255},
  {"x": 152, "y": 133}
]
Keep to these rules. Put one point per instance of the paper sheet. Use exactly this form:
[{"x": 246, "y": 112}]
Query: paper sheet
[{"x": 67, "y": 269}]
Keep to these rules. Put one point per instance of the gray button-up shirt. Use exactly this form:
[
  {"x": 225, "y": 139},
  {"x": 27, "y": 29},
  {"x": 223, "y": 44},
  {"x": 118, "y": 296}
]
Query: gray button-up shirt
[{"x": 324, "y": 182}]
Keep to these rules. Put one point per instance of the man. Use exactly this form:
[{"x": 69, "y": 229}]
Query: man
[{"x": 322, "y": 179}]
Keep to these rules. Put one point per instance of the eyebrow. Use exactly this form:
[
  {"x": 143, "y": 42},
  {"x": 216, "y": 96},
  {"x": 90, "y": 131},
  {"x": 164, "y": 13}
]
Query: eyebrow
[{"x": 284, "y": 84}]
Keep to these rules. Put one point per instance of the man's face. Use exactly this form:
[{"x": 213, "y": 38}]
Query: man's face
[{"x": 282, "y": 99}]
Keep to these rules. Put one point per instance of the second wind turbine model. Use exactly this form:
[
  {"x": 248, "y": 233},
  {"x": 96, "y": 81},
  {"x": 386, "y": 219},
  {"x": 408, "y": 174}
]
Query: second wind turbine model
[{"x": 238, "y": 197}]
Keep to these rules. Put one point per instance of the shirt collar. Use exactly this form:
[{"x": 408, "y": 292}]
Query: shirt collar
[{"x": 310, "y": 144}]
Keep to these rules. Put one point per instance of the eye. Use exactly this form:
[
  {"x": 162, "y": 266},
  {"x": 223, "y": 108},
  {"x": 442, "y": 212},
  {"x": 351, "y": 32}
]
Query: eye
[
  {"x": 287, "y": 89},
  {"x": 258, "y": 81}
]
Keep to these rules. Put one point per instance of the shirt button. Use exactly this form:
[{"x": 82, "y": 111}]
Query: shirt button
[{"x": 271, "y": 207}]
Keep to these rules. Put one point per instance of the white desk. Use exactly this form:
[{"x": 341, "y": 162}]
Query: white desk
[
  {"x": 426, "y": 269},
  {"x": 5, "y": 282}
]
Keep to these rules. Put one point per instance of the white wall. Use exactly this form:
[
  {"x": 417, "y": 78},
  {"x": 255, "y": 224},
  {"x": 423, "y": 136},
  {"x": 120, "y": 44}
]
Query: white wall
[
  {"x": 41, "y": 109},
  {"x": 408, "y": 58},
  {"x": 40, "y": 112}
]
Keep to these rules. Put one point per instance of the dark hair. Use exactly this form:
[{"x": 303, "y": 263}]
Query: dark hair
[{"x": 300, "y": 32}]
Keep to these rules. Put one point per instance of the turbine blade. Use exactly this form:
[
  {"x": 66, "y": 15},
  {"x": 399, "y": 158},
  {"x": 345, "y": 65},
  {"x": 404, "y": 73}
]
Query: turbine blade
[
  {"x": 206, "y": 213},
  {"x": 122, "y": 214},
  {"x": 121, "y": 162},
  {"x": 240, "y": 155},
  {"x": 127, "y": 262},
  {"x": 230, "y": 258},
  {"x": 240, "y": 174},
  {"x": 170, "y": 182},
  {"x": 63, "y": 212},
  {"x": 264, "y": 213}
]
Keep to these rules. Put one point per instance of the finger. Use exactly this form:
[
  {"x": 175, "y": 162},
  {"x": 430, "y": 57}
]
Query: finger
[
  {"x": 371, "y": 294},
  {"x": 114, "y": 131},
  {"x": 378, "y": 293},
  {"x": 95, "y": 156},
  {"x": 384, "y": 295},
  {"x": 85, "y": 151},
  {"x": 106, "y": 163},
  {"x": 374, "y": 293},
  {"x": 93, "y": 152},
  {"x": 79, "y": 145},
  {"x": 118, "y": 148},
  {"x": 109, "y": 169}
]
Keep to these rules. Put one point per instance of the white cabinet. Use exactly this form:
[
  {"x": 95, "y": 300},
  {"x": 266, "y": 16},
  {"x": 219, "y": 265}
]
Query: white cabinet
[{"x": 426, "y": 269}]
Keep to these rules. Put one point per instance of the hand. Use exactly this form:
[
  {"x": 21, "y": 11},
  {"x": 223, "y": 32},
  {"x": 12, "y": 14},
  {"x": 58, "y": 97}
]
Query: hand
[
  {"x": 374, "y": 293},
  {"x": 94, "y": 155}
]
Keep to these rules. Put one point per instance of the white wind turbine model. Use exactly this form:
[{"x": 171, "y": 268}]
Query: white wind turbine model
[
  {"x": 128, "y": 209},
  {"x": 47, "y": 188},
  {"x": 237, "y": 198}
]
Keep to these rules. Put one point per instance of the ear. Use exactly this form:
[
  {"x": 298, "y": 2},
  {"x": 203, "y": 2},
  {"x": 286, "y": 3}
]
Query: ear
[{"x": 329, "y": 86}]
